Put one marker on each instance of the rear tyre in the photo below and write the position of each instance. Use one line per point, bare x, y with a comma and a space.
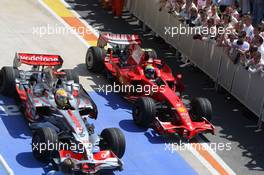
95, 59
71, 75
113, 139
201, 107
144, 111
46, 137
7, 81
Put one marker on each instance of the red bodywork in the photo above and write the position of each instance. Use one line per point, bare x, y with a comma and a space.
39, 59
133, 74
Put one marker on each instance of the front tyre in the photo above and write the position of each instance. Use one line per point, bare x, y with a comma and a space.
201, 107
95, 59
144, 111
113, 139
44, 138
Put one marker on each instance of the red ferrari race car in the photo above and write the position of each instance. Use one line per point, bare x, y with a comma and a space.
59, 110
149, 82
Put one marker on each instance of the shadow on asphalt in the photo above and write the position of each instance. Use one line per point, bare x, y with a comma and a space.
232, 125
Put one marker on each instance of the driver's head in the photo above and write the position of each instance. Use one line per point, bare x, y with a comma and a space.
149, 72
61, 98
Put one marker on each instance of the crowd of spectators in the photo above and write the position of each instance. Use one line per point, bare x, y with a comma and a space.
241, 20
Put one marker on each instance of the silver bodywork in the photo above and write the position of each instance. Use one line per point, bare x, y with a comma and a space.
40, 95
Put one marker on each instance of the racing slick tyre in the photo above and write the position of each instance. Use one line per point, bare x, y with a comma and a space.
95, 59
144, 111
7, 81
71, 75
113, 139
47, 137
201, 107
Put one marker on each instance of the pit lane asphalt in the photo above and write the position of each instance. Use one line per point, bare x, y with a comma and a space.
234, 124
17, 21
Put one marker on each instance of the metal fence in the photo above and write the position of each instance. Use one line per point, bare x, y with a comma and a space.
248, 88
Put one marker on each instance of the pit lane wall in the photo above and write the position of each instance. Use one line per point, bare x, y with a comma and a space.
247, 87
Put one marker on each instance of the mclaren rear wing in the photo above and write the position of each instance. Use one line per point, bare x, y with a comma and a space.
37, 60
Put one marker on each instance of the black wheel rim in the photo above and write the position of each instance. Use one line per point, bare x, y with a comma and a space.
89, 61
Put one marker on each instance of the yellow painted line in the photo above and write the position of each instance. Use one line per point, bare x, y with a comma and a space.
74, 22
58, 8
70, 18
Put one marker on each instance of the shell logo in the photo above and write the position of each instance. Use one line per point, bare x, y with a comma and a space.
181, 110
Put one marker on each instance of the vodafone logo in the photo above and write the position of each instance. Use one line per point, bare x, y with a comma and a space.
40, 58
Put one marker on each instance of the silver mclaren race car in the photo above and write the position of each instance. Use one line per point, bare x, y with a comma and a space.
59, 110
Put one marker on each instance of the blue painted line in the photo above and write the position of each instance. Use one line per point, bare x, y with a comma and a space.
145, 153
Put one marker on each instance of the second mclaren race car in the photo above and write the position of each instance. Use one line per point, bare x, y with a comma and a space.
149, 82
59, 110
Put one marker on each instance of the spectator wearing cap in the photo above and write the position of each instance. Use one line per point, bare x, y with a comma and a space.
258, 11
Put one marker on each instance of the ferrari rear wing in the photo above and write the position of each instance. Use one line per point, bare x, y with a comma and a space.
37, 59
120, 38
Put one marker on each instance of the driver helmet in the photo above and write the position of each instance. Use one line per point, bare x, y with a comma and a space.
61, 98
149, 71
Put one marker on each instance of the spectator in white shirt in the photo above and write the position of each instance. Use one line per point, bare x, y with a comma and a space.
213, 14
254, 65
259, 43
240, 43
248, 28
233, 14
201, 4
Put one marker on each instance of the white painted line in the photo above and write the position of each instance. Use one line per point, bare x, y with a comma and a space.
6, 167
203, 160
193, 151
216, 157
